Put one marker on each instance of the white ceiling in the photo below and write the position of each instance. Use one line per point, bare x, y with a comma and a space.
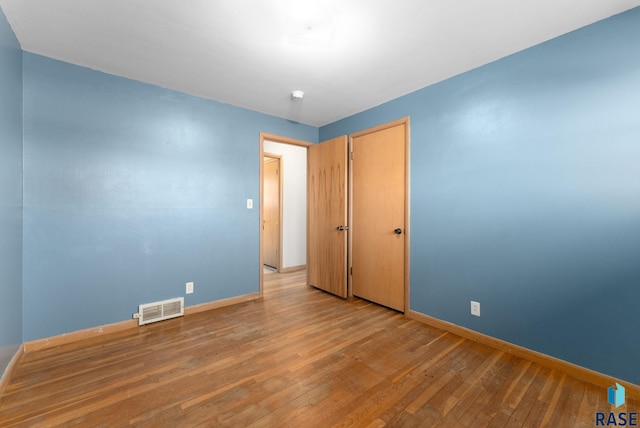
346, 55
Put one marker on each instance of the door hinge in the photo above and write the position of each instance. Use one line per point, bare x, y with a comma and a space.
351, 271
351, 154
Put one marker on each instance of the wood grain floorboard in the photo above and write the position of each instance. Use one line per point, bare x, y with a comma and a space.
297, 358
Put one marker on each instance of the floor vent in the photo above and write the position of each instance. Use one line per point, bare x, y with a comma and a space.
158, 311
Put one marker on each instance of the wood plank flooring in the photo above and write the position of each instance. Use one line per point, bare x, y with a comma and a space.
298, 358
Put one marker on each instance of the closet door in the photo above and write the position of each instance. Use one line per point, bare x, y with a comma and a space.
378, 215
327, 216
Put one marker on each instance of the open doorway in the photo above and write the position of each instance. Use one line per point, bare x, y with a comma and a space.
292, 228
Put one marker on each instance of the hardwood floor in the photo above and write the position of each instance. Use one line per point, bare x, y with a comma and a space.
298, 358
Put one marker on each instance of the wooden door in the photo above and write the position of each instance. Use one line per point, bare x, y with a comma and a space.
327, 216
378, 216
271, 215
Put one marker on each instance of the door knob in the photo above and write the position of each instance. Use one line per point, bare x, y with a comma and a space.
397, 231
341, 228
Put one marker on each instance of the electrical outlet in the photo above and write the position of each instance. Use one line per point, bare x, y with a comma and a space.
475, 308
189, 288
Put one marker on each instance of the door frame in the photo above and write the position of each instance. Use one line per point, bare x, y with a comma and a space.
277, 158
407, 198
282, 140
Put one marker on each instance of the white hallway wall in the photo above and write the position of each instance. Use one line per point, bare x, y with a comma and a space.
294, 201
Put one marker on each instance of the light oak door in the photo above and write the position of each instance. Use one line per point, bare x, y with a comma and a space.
271, 219
327, 216
378, 216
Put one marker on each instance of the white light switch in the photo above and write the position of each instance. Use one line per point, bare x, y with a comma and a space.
249, 204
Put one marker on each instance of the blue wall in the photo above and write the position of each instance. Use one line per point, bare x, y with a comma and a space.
10, 194
131, 190
525, 196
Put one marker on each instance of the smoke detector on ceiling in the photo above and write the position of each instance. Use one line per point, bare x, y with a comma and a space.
297, 95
